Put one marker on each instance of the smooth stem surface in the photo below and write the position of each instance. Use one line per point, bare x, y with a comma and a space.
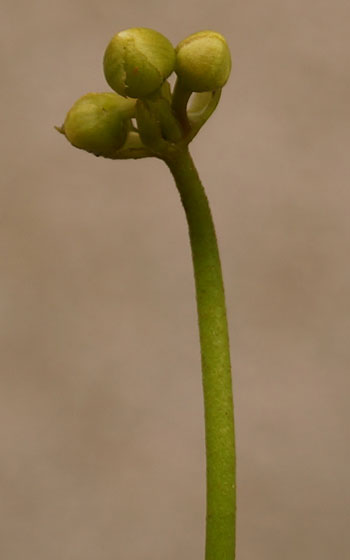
179, 105
217, 385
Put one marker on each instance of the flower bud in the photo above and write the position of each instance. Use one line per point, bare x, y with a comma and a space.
137, 61
203, 61
99, 122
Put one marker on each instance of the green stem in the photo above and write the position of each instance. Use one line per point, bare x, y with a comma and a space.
217, 385
179, 105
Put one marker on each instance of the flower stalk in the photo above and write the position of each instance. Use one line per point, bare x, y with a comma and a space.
215, 355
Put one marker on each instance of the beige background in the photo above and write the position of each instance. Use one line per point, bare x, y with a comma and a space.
101, 431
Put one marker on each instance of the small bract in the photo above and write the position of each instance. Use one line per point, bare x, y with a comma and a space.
203, 61
99, 122
137, 61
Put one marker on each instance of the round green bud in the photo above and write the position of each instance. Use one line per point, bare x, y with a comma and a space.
99, 122
137, 61
203, 61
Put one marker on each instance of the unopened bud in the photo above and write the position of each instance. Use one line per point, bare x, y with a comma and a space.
203, 61
99, 122
137, 61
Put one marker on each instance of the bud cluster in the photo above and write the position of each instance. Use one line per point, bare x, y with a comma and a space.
137, 63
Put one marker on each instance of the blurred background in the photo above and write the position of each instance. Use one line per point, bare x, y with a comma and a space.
101, 415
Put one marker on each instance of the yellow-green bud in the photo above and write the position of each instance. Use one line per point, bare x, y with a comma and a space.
137, 61
99, 122
203, 61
